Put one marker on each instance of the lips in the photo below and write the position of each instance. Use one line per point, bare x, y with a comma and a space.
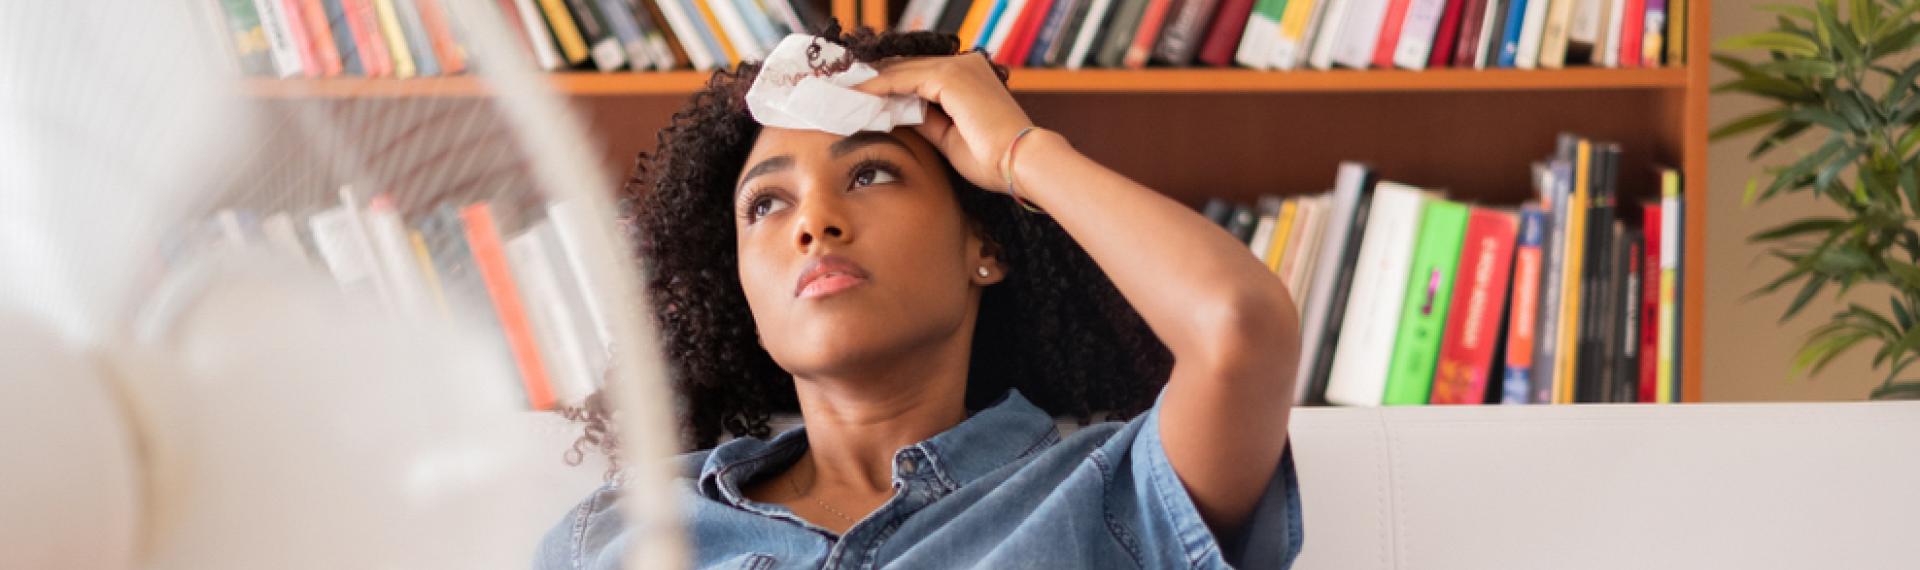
827, 275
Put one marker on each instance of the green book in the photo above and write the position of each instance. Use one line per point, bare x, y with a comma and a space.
1423, 318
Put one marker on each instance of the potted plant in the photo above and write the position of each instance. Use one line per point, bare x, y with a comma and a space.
1849, 78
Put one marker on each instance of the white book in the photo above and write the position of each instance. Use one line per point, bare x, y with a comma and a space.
1531, 25
735, 25
1360, 364
684, 29
1089, 29
626, 31
1489, 40
1553, 38
1609, 46
544, 52
1583, 25
1335, 18
1262, 240
1309, 249
1360, 33
919, 15
555, 324
1416, 34
1257, 38
286, 56
341, 247
1348, 187
398, 266
1004, 27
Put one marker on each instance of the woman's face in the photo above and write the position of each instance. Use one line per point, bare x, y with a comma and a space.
853, 250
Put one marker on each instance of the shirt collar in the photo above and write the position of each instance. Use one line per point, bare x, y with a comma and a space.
1006, 431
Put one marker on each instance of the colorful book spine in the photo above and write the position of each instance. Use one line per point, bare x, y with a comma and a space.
490, 257
396, 38
1446, 37
343, 42
1229, 26
1417, 34
249, 38
1473, 316
320, 34
286, 55
1091, 34
1282, 231
1388, 39
1649, 373
1423, 313
1345, 219
1144, 38
1631, 32
1670, 263
364, 20
1510, 35
446, 48
1257, 37
1567, 356
1546, 337
407, 12
573, 47
1297, 25
1653, 36
1523, 311
1532, 25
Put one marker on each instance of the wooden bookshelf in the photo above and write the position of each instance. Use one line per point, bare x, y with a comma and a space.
1199, 133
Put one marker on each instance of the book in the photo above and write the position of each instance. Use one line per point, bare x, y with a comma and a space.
952, 14
562, 337
701, 54
344, 44
1516, 385
1487, 52
1668, 352
1298, 24
1026, 32
364, 21
1516, 21
1388, 39
1240, 223
723, 41
404, 65
1557, 194
1649, 310
1653, 34
1417, 34
285, 54
983, 38
1262, 241
919, 15
1423, 313
1627, 332
320, 36
1223, 36
1531, 26
1473, 315
566, 33
624, 24
1304, 249
489, 256
1597, 291
1466, 45
248, 37
394, 259
1258, 34
1148, 34
1346, 218
1446, 37
1612, 27
294, 17
1093, 30
1328, 40
1056, 40
1004, 27
1631, 29
1553, 39
407, 14
1567, 357
977, 12
1378, 287
669, 49
1583, 30
733, 25
1360, 33
761, 26
1186, 28
442, 37
1282, 231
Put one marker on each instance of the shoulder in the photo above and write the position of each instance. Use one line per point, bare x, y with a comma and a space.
591, 533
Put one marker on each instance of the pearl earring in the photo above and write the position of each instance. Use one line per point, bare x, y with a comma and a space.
982, 271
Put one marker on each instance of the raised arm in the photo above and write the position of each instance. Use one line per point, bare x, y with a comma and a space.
1230, 323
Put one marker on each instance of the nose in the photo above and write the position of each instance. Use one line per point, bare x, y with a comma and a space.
821, 220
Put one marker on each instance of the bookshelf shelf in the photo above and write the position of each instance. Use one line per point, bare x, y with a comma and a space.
1047, 81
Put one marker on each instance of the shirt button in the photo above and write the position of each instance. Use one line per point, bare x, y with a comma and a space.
908, 467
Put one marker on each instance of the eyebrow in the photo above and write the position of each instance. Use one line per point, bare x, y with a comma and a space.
838, 149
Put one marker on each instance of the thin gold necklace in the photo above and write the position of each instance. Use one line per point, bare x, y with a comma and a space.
795, 483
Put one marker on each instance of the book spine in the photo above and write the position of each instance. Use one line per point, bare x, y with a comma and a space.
1546, 336
1092, 31
626, 28
760, 24
320, 33
1467, 44
1240, 223
562, 350
249, 37
1534, 22
1262, 241
1185, 29
1627, 333
404, 65
1631, 30
1327, 42
1473, 314
1282, 231
734, 25
1306, 246
1517, 383
1000, 12
1360, 33
1595, 299
1388, 40
1359, 373
1004, 26
1229, 26
1613, 27
1417, 34
1423, 314
1297, 21
1447, 36
1510, 36
1062, 42
1648, 375
1553, 39
286, 56
723, 40
1026, 31
665, 44
418, 43
573, 47
446, 46
688, 33
1338, 296
1350, 183
977, 15
364, 21
1298, 236
1049, 32
1667, 380
489, 256
1144, 38
1653, 36
1567, 356
1259, 33
295, 21
1487, 52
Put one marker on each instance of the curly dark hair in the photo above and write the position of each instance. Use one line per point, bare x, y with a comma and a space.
1055, 328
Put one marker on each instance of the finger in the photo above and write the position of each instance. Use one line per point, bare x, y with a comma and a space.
936, 128
906, 77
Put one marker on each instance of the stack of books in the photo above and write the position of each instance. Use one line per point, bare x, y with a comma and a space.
1408, 297
528, 287
1321, 34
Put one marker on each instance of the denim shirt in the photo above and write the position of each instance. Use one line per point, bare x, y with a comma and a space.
1000, 490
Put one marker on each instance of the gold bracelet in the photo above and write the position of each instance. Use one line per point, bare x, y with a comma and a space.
1006, 170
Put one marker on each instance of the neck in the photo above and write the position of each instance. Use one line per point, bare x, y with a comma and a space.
855, 423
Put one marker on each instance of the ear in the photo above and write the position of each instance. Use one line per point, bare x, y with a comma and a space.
983, 260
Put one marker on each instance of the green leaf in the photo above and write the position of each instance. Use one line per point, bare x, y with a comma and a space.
1910, 182
1806, 68
1861, 17
1882, 327
1813, 287
1900, 314
1844, 260
1809, 225
1889, 22
1902, 84
1822, 117
1780, 135
1773, 41
1898, 41
1906, 274
1738, 65
1827, 342
1769, 87
1907, 390
1747, 123
1832, 34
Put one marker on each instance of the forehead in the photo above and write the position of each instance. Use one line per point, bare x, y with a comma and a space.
810, 145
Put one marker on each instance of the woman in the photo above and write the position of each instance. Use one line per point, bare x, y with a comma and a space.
928, 329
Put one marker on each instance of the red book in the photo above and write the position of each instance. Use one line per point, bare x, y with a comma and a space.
1390, 34
483, 237
1473, 316
1632, 31
1148, 33
365, 25
322, 34
446, 51
297, 32
1650, 305
1467, 42
1025, 29
1224, 37
1443, 38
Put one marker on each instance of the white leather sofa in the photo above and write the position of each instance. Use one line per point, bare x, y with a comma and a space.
1759, 486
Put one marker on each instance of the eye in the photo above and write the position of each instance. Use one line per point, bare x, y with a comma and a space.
870, 173
760, 205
